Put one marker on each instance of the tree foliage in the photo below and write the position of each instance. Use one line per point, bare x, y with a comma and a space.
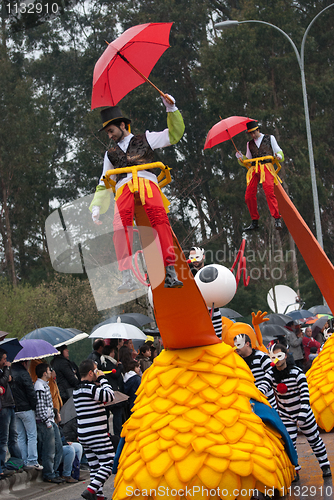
51, 153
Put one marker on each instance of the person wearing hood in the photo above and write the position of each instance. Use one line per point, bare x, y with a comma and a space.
132, 381
112, 370
67, 373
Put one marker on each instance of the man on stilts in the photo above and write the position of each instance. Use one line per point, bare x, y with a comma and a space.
130, 150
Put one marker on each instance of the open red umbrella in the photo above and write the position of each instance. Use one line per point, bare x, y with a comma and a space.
128, 61
225, 130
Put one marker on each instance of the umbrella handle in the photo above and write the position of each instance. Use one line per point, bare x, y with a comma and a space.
232, 141
165, 96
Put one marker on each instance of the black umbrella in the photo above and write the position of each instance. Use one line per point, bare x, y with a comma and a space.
300, 314
135, 319
272, 330
12, 348
320, 310
320, 323
229, 313
56, 336
277, 319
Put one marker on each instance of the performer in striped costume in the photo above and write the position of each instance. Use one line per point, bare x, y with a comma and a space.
89, 398
293, 402
258, 362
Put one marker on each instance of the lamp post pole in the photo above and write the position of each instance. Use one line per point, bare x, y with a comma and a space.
300, 59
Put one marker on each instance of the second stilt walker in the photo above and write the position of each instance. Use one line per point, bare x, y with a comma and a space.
261, 145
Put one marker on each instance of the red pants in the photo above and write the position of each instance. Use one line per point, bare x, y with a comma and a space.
127, 207
268, 187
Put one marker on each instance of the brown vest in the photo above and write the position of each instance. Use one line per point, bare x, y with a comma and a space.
139, 152
265, 148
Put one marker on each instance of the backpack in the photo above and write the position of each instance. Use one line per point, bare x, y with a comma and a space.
14, 464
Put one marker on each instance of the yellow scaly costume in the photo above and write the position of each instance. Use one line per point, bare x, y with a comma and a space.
320, 379
192, 425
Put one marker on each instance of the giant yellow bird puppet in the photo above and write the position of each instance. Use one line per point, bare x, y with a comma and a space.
193, 433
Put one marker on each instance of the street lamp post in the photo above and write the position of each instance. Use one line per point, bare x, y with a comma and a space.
300, 59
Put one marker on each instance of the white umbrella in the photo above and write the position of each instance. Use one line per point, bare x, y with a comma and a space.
118, 330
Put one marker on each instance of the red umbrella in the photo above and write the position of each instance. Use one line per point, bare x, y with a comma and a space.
128, 61
225, 130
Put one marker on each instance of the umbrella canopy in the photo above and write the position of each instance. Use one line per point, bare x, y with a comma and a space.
320, 323
300, 314
272, 330
320, 310
135, 319
12, 348
229, 313
128, 61
225, 130
278, 319
118, 330
68, 411
3, 335
56, 336
35, 349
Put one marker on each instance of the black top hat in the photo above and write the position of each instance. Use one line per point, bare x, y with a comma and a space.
251, 126
112, 114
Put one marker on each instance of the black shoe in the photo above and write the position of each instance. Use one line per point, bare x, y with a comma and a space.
278, 224
129, 284
296, 477
88, 495
171, 280
254, 225
56, 480
84, 467
8, 472
326, 471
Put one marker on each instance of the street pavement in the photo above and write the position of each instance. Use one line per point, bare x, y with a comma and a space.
311, 485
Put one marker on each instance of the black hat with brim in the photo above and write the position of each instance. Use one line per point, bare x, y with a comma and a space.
251, 126
112, 114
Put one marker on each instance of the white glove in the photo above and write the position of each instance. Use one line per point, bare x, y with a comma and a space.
96, 215
238, 154
278, 156
170, 108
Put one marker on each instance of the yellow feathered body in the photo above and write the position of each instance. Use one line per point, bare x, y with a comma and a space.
193, 430
320, 378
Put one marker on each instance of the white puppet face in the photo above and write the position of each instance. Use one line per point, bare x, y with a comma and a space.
327, 334
239, 341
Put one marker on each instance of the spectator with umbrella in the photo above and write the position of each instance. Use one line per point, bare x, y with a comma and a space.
308, 342
67, 373
49, 441
98, 346
25, 405
113, 373
295, 340
8, 432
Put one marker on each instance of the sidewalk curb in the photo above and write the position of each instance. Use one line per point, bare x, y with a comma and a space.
20, 480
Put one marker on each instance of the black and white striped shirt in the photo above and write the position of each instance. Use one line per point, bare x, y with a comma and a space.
259, 364
217, 321
89, 400
295, 402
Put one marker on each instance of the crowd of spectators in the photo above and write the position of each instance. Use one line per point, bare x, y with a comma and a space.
32, 394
